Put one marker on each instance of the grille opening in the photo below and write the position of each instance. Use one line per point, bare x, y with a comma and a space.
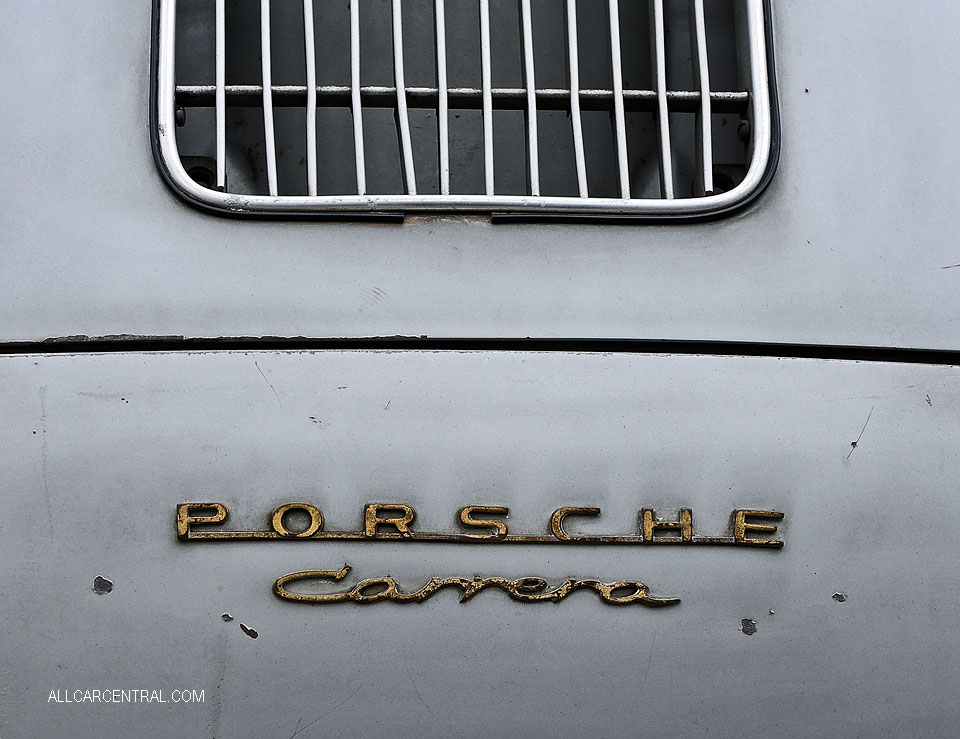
654, 150
642, 143
466, 156
383, 158
510, 153
202, 170
334, 124
683, 126
558, 173
719, 18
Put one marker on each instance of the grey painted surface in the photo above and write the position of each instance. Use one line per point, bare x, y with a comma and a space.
98, 450
849, 245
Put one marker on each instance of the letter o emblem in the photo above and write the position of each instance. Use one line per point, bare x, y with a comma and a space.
316, 520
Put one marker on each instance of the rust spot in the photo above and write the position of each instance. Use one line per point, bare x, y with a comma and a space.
748, 626
101, 585
252, 633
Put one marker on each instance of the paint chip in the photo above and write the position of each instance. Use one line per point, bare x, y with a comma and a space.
226, 617
839, 597
101, 585
748, 626
252, 633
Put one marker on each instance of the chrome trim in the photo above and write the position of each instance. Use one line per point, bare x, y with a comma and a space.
530, 83
356, 104
443, 122
221, 104
266, 67
701, 76
619, 116
310, 54
761, 133
576, 118
403, 120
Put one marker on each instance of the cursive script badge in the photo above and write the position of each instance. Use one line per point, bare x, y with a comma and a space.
524, 589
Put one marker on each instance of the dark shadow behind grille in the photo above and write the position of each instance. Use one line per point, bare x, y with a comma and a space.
245, 149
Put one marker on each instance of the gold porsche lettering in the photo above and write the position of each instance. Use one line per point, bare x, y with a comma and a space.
741, 527
373, 518
278, 524
189, 514
394, 522
556, 520
468, 517
651, 525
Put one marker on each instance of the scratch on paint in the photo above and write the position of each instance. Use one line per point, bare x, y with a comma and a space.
417, 691
327, 713
268, 382
853, 444
43, 456
646, 674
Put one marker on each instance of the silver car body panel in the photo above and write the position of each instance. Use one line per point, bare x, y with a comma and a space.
852, 243
100, 449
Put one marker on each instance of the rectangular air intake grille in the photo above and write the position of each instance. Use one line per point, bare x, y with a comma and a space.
637, 107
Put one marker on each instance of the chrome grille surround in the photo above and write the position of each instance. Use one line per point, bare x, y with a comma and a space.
755, 104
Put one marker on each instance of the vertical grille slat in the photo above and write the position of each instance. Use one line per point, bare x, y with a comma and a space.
443, 121
703, 184
486, 85
576, 118
530, 83
267, 77
310, 51
221, 102
659, 62
403, 119
355, 103
632, 76
620, 121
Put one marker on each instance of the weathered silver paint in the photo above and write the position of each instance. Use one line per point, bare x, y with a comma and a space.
853, 243
848, 245
98, 450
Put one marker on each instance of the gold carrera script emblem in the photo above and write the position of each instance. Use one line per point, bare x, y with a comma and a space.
524, 589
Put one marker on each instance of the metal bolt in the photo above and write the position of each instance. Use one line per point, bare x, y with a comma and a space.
743, 131
181, 115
